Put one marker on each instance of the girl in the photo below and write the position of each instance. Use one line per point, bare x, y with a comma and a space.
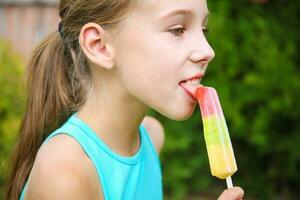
85, 134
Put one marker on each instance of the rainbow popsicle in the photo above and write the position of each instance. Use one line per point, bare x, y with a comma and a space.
220, 153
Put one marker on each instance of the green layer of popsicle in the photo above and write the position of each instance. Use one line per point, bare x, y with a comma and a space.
215, 130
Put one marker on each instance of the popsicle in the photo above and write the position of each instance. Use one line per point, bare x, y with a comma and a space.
220, 152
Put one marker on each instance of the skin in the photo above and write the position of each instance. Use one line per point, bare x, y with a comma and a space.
137, 69
140, 77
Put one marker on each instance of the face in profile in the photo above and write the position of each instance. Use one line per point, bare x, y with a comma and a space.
161, 45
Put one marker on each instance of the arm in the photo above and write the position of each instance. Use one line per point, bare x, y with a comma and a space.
61, 185
62, 172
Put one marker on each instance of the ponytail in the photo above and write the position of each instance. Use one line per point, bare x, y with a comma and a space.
52, 82
59, 78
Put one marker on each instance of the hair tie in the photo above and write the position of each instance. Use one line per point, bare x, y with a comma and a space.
60, 30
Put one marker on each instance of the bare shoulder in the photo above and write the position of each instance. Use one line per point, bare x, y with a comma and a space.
156, 132
62, 171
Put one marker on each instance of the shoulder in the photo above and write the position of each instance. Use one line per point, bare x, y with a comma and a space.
156, 132
62, 171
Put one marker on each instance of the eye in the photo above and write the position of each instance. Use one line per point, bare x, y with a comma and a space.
205, 30
177, 31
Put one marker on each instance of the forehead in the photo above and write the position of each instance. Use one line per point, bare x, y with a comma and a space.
162, 9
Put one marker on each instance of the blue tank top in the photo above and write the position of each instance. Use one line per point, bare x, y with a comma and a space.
137, 177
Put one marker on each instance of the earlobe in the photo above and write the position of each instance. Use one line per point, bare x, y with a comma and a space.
97, 48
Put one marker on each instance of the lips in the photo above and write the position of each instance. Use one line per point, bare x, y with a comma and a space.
190, 85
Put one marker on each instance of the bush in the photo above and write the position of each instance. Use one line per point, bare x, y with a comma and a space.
256, 74
11, 105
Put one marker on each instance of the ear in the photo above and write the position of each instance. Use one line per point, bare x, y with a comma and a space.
94, 42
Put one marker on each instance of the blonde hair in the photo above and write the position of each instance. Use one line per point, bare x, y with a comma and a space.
57, 77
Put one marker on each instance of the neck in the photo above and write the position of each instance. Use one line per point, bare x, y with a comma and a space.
115, 116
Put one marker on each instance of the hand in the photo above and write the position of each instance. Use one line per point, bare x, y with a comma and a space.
235, 193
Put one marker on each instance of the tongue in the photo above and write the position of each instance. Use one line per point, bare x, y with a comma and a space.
190, 88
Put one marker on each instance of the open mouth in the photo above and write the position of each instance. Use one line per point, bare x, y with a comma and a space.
194, 81
190, 86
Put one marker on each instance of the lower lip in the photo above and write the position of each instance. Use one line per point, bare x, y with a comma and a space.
189, 95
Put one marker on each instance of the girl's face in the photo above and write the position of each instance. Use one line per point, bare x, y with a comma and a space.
161, 45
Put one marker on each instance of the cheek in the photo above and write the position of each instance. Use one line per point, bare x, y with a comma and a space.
148, 58
150, 70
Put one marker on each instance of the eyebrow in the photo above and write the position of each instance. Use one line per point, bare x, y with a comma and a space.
181, 12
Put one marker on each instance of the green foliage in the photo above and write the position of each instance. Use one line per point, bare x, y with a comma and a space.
11, 105
256, 74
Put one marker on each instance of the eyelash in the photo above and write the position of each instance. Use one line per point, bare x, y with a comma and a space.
175, 30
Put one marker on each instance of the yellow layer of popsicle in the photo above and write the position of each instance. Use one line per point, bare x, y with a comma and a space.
220, 153
221, 160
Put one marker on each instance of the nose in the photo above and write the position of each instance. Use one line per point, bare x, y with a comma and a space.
202, 53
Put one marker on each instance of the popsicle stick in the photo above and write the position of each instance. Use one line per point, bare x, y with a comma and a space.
229, 182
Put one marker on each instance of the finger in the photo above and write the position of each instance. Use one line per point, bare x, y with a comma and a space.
235, 193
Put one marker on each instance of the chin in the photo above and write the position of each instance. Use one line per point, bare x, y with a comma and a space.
180, 114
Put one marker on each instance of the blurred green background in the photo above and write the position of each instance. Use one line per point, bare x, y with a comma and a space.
256, 73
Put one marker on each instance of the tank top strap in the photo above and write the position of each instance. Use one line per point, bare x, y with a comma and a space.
73, 130
85, 143
89, 132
